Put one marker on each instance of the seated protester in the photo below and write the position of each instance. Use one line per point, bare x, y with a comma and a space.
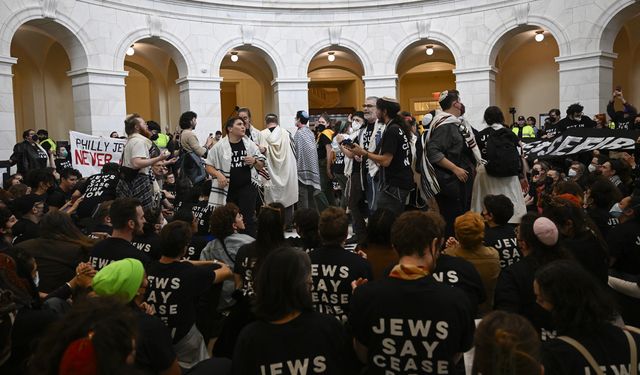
506, 343
270, 236
149, 240
200, 239
600, 199
469, 230
174, 287
396, 176
7, 221
305, 221
61, 194
19, 190
538, 243
126, 281
584, 315
579, 236
575, 120
333, 268
618, 172
498, 233
377, 246
100, 225
58, 250
30, 210
578, 173
41, 181
127, 219
201, 209
396, 314
63, 158
99, 188
96, 337
623, 241
226, 222
284, 308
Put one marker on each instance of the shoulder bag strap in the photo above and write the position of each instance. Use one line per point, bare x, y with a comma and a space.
585, 353
224, 247
633, 349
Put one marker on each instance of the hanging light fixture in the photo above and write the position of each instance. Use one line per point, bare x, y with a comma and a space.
429, 50
234, 56
539, 36
331, 57
130, 51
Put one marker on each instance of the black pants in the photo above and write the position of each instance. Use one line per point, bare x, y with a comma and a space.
245, 198
454, 201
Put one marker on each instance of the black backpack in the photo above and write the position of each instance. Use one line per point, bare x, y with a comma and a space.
503, 159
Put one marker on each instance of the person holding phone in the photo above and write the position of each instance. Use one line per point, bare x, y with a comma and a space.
622, 120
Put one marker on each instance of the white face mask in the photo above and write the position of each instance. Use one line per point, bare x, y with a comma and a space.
572, 173
592, 168
355, 126
616, 211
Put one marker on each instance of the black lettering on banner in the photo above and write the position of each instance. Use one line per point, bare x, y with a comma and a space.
581, 140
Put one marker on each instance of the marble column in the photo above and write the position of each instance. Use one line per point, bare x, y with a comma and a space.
7, 109
587, 79
477, 88
291, 95
99, 102
380, 86
202, 96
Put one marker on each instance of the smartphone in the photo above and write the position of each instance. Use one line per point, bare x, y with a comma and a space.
347, 142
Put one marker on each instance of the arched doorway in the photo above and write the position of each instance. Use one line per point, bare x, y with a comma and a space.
247, 73
42, 90
527, 78
150, 87
336, 85
425, 68
626, 68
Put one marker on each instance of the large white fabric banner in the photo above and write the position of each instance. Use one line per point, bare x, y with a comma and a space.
90, 153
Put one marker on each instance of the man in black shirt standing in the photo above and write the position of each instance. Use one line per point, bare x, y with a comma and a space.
127, 219
333, 268
575, 120
395, 176
397, 330
551, 124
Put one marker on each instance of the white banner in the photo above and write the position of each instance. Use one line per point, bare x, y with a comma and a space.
90, 153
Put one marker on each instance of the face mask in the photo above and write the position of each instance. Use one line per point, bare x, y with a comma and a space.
462, 109
34, 138
36, 279
572, 173
153, 137
355, 126
616, 211
592, 168
64, 153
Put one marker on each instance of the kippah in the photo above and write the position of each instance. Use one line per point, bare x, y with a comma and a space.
546, 231
391, 100
443, 95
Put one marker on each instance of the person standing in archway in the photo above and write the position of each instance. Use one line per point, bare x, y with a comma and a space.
28, 155
309, 193
252, 133
324, 138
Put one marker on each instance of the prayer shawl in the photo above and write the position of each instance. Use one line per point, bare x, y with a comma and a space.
308, 167
219, 157
464, 128
376, 137
283, 185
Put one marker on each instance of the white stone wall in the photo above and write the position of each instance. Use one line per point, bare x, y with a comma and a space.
97, 34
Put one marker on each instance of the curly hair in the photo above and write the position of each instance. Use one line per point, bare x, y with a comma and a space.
222, 219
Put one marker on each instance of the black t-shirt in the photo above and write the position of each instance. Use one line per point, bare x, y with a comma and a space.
503, 238
173, 292
551, 130
366, 140
333, 269
323, 141
63, 163
198, 242
98, 188
602, 219
240, 174
307, 244
25, 229
338, 163
569, 123
312, 343
590, 253
460, 273
608, 346
112, 249
58, 197
244, 267
514, 293
154, 351
411, 326
398, 173
150, 244
202, 213
624, 246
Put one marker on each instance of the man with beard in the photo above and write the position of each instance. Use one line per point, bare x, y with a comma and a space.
251, 132
137, 162
127, 219
575, 120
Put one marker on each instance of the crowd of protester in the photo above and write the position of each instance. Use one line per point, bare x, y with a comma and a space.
240, 255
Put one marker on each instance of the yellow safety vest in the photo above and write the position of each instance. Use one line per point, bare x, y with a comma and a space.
50, 142
162, 141
528, 132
